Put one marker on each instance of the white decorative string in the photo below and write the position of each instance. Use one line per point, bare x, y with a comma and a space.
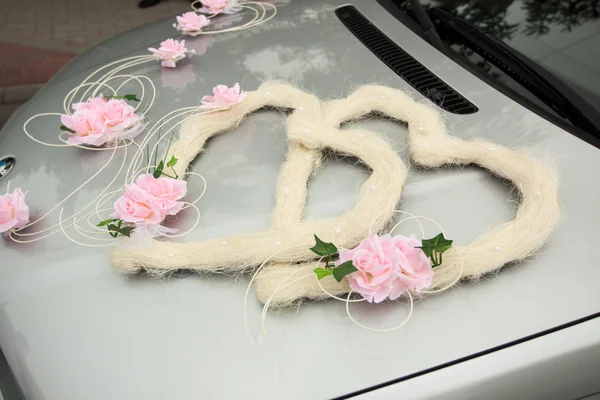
82, 209
260, 16
380, 330
75, 241
126, 63
281, 285
203, 190
250, 284
72, 193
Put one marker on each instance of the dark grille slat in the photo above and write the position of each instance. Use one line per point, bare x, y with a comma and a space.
403, 64
423, 81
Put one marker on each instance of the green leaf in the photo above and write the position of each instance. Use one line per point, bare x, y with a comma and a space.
113, 230
65, 128
342, 270
131, 97
322, 272
435, 247
106, 222
159, 169
322, 248
126, 230
169, 146
172, 162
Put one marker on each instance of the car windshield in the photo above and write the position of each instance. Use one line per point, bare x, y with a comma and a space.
563, 36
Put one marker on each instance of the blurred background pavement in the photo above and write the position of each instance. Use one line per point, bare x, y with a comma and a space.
38, 38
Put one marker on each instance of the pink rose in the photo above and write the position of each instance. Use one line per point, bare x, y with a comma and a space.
146, 203
170, 51
387, 267
219, 6
190, 23
138, 207
88, 126
90, 104
165, 190
118, 116
416, 271
14, 213
99, 120
224, 97
377, 271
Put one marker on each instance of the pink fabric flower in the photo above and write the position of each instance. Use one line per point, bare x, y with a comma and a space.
146, 203
170, 51
219, 6
91, 104
165, 190
138, 207
99, 120
377, 270
118, 116
387, 267
14, 213
416, 271
88, 126
224, 97
190, 23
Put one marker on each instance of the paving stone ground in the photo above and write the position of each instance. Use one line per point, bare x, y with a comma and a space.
74, 25
38, 37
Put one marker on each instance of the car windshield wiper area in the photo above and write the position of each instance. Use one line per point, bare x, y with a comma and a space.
427, 26
542, 84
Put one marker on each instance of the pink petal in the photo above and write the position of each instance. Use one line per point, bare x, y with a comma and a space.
381, 294
398, 287
5, 227
168, 64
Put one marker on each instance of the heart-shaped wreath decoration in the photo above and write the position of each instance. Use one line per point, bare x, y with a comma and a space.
314, 126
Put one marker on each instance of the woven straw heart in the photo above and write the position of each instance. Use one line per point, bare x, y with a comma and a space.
313, 127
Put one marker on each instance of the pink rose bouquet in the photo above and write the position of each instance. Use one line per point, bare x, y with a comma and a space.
384, 267
146, 203
102, 119
387, 267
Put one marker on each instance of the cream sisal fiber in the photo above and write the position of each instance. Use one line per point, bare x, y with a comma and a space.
314, 126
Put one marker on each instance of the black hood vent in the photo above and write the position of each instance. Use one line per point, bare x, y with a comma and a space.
403, 64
